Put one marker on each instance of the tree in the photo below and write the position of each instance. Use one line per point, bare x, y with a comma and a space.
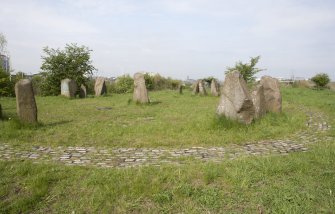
3, 43
247, 70
321, 80
6, 86
73, 62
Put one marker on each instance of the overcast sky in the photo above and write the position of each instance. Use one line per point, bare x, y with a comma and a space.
176, 38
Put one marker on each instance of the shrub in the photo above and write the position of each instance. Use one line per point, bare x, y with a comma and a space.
6, 85
123, 84
321, 80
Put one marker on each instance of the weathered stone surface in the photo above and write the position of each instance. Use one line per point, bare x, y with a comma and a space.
258, 99
195, 88
68, 88
180, 88
202, 89
236, 102
82, 91
199, 88
273, 99
25, 101
100, 86
215, 91
140, 91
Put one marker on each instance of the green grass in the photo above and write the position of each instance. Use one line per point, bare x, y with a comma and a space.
172, 120
296, 183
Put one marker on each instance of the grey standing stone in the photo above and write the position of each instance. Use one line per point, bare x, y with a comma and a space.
82, 91
215, 91
68, 88
202, 89
180, 89
195, 87
140, 91
100, 86
236, 102
25, 101
273, 99
258, 99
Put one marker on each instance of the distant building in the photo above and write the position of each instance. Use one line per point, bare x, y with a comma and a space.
4, 61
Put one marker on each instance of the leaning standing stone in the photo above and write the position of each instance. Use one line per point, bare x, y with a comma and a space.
140, 91
195, 88
100, 86
258, 99
25, 101
68, 88
214, 88
82, 91
236, 102
273, 100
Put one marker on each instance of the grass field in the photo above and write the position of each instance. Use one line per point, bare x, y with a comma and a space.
296, 183
172, 120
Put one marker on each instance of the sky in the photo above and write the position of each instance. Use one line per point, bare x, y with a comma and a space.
176, 38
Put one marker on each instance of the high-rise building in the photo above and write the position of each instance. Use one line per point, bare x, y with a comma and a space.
4, 62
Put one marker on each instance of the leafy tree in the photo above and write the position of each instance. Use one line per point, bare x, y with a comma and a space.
247, 70
321, 80
6, 86
73, 62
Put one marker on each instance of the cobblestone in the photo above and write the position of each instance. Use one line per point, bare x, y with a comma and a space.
132, 157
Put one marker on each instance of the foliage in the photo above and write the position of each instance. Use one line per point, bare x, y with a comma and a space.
37, 81
149, 81
247, 70
123, 84
321, 80
73, 62
6, 85
3, 43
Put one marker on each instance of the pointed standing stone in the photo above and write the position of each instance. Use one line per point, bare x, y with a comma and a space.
25, 101
259, 101
100, 86
82, 91
273, 99
202, 89
68, 88
196, 87
215, 88
236, 102
140, 91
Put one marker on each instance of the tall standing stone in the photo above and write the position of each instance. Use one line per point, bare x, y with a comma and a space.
140, 91
273, 99
236, 102
180, 88
68, 88
100, 86
82, 91
202, 89
258, 99
215, 88
196, 88
25, 101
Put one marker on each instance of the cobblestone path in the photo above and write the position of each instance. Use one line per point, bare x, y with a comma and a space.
128, 157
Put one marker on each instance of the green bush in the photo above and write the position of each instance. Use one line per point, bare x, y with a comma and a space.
321, 80
123, 84
6, 85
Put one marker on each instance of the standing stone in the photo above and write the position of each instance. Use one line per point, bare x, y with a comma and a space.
196, 88
100, 86
258, 99
202, 89
140, 91
82, 91
273, 100
25, 101
236, 102
68, 88
180, 88
215, 88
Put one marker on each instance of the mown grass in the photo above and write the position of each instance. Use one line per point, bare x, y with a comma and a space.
172, 120
296, 183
